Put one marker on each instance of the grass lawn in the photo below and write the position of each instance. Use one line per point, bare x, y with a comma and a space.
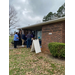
10, 39
24, 62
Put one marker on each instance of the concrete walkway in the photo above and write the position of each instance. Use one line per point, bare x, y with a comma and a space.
12, 47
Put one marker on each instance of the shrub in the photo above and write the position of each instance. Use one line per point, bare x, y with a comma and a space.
57, 49
12, 42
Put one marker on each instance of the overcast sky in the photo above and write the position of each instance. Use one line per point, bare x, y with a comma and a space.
32, 11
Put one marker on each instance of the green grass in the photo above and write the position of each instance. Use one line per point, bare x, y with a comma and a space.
51, 72
40, 57
24, 62
53, 65
10, 39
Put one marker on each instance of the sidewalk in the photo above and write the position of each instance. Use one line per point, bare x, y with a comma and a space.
12, 47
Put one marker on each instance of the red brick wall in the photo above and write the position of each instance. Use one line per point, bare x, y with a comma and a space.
63, 33
58, 34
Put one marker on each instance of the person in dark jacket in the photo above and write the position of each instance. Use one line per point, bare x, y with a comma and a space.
20, 41
28, 39
31, 38
32, 35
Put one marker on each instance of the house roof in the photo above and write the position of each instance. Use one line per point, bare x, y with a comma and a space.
39, 25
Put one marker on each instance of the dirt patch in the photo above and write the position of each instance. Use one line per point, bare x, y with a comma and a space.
18, 53
50, 57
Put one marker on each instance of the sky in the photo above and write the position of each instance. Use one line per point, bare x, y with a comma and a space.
30, 12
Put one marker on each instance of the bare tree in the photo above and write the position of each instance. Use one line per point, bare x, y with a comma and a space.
13, 19
11, 34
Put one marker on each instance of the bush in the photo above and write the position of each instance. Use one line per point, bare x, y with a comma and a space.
57, 49
12, 42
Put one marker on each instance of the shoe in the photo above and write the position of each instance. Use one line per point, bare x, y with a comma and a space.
15, 48
22, 45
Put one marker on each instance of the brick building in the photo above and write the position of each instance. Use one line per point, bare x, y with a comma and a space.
50, 31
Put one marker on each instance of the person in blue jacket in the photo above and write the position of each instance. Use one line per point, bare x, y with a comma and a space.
16, 39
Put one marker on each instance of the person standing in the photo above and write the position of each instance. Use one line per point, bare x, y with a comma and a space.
16, 39
32, 35
20, 42
28, 39
31, 38
23, 38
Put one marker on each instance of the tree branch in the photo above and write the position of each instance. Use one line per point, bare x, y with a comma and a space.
12, 16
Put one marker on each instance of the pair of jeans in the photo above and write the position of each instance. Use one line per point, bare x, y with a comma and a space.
28, 42
15, 44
